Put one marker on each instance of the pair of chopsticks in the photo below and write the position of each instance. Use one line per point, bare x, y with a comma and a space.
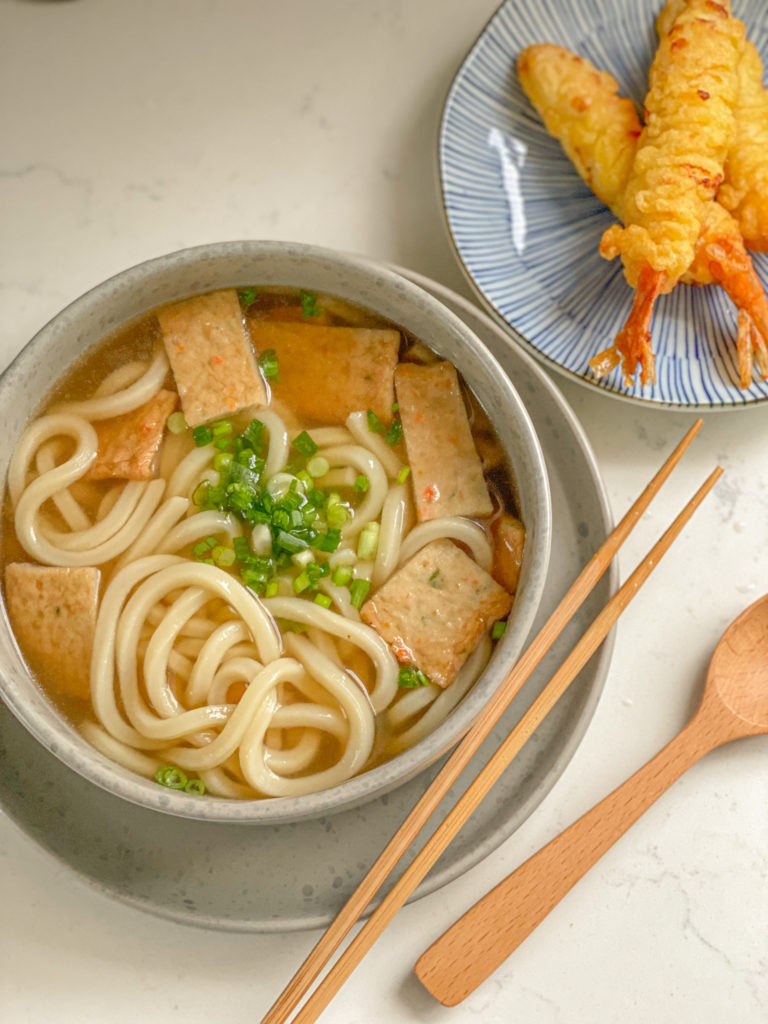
309, 971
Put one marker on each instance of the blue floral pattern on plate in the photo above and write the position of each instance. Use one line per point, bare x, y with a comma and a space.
526, 228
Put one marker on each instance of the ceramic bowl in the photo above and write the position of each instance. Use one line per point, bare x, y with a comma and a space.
25, 384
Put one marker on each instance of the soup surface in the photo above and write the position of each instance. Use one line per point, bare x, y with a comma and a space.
259, 541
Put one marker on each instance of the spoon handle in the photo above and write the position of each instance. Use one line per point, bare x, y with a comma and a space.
471, 949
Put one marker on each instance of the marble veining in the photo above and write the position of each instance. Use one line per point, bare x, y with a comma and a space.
132, 130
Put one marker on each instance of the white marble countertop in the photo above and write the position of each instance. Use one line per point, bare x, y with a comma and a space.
132, 129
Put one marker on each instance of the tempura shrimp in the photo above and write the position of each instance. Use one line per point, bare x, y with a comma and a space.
599, 130
678, 166
745, 189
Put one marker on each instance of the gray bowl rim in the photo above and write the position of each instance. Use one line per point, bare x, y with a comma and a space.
63, 741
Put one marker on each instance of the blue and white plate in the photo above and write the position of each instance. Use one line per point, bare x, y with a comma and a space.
526, 228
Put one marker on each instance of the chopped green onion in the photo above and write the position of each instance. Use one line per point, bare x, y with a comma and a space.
358, 592
203, 547
221, 428
221, 460
223, 556
302, 582
403, 475
269, 363
288, 626
309, 306
304, 444
242, 548
195, 786
329, 540
342, 574
368, 541
395, 407
202, 436
374, 423
171, 777
176, 423
436, 580
254, 434
499, 629
337, 514
361, 484
394, 433
247, 298
290, 542
323, 600
273, 587
411, 678
318, 466
305, 478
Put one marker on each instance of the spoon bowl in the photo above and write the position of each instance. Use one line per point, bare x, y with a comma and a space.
738, 671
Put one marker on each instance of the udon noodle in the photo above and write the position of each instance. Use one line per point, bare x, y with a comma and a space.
236, 645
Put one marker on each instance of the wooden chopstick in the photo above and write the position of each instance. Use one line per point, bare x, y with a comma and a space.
500, 760
408, 831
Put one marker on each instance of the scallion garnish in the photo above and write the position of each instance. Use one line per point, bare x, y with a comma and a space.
202, 436
302, 582
247, 298
329, 540
317, 466
171, 777
221, 460
204, 548
195, 786
176, 423
224, 557
368, 542
323, 600
394, 433
499, 629
374, 423
290, 542
361, 484
269, 363
253, 435
342, 574
403, 475
309, 306
358, 592
411, 678
335, 512
289, 626
304, 444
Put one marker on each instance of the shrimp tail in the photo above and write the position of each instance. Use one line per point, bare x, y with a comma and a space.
731, 267
750, 347
632, 346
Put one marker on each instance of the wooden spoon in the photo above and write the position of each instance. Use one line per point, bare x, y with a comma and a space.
734, 704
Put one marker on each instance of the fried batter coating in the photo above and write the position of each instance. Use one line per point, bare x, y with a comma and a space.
679, 162
581, 108
745, 190
599, 131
